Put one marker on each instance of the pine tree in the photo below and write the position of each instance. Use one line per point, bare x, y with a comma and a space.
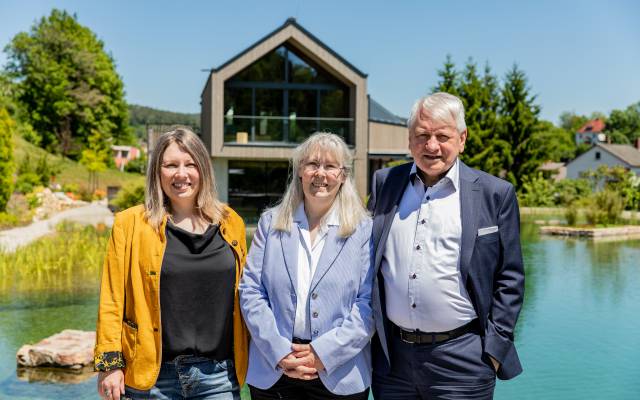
518, 122
449, 79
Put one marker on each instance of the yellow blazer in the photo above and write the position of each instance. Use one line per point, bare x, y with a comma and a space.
129, 332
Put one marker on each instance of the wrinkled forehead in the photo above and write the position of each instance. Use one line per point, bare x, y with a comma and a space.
435, 118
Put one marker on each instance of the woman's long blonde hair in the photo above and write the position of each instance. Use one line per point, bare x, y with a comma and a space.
347, 203
156, 202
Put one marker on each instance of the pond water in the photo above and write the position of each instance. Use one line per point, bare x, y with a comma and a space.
578, 335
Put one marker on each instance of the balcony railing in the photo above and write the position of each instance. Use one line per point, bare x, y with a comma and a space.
278, 130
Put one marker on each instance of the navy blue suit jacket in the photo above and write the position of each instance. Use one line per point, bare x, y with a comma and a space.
491, 265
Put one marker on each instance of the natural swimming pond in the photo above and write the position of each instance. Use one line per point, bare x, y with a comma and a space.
578, 335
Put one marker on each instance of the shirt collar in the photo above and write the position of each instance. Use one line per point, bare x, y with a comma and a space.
453, 175
331, 219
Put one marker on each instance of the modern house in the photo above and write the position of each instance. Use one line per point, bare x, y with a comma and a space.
609, 154
263, 102
591, 132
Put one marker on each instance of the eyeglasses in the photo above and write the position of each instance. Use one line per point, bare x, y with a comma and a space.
330, 169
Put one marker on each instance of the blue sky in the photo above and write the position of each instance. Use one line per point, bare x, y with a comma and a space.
580, 56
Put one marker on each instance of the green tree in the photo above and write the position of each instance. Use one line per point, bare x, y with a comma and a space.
550, 143
449, 78
480, 98
624, 123
518, 122
67, 84
7, 126
572, 122
95, 157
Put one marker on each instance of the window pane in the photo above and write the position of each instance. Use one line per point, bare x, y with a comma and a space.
255, 185
237, 102
334, 103
268, 121
269, 68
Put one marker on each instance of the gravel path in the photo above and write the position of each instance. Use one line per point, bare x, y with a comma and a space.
93, 213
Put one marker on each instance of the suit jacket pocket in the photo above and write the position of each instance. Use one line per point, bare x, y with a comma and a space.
129, 339
489, 237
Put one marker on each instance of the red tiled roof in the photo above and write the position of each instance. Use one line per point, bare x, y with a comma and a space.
593, 126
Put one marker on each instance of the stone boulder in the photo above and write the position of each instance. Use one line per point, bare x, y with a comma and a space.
68, 349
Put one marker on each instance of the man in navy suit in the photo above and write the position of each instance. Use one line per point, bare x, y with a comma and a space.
449, 272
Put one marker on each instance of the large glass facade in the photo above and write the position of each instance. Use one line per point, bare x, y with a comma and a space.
256, 185
283, 98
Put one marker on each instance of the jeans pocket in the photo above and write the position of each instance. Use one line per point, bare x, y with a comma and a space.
135, 394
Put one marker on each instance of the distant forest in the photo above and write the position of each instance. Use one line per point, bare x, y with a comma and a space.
141, 116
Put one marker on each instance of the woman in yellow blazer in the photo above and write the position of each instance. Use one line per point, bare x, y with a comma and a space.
180, 256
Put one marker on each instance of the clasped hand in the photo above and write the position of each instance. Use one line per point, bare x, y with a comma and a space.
301, 363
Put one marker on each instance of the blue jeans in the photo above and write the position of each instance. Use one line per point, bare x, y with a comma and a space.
192, 377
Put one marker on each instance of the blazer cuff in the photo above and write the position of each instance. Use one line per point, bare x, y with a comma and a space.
504, 351
109, 360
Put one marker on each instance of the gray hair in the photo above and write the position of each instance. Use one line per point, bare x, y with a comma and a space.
439, 106
347, 203
156, 202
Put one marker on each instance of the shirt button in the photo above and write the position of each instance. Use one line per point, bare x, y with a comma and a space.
315, 332
423, 221
414, 276
314, 295
418, 247
315, 314
428, 198
413, 305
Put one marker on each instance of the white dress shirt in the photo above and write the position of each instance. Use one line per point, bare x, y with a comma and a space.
308, 257
421, 258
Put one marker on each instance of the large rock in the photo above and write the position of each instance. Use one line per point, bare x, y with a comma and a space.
69, 348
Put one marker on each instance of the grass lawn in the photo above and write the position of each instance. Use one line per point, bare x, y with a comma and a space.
71, 171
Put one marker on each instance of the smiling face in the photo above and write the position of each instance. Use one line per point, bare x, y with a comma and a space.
321, 176
179, 177
435, 145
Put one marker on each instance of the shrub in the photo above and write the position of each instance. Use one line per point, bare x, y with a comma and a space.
8, 220
571, 214
7, 126
129, 196
604, 208
567, 191
138, 165
27, 182
536, 192
71, 188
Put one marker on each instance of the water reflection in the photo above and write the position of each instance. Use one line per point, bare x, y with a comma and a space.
55, 375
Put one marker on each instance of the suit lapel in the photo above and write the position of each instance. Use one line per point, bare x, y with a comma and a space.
392, 190
332, 246
470, 197
290, 242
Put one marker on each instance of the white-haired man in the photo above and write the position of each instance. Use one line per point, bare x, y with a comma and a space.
449, 271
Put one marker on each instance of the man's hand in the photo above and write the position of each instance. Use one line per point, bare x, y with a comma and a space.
299, 365
308, 349
496, 364
111, 384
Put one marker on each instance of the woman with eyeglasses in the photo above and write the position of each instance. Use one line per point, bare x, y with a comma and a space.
306, 289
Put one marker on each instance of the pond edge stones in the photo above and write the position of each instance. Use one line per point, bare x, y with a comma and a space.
68, 349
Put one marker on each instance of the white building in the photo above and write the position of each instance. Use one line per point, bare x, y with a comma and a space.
608, 154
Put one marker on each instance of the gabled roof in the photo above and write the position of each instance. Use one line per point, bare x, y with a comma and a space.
292, 22
624, 152
377, 113
594, 126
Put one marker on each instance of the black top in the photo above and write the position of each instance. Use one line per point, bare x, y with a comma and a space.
196, 294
